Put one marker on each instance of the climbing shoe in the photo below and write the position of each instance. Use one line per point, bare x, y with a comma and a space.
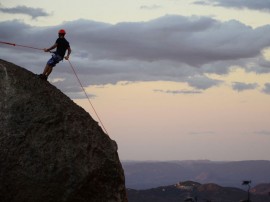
43, 77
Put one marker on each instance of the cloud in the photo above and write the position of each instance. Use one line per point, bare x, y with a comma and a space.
33, 12
205, 2
151, 7
260, 65
10, 29
266, 88
202, 82
194, 41
202, 133
170, 48
73, 90
262, 132
178, 91
238, 86
261, 5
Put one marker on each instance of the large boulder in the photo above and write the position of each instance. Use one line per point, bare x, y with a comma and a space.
51, 150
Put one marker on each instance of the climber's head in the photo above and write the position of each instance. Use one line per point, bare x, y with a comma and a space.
61, 32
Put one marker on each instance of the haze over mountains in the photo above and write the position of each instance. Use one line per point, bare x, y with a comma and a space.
204, 180
145, 175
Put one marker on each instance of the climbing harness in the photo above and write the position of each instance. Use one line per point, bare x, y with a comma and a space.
73, 69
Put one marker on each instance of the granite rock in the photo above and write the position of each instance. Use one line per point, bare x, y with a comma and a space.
51, 150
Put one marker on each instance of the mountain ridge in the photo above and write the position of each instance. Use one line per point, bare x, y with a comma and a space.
190, 190
149, 174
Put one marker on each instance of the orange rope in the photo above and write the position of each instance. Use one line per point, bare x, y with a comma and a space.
13, 44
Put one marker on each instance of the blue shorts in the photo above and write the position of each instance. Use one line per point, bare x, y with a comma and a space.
54, 60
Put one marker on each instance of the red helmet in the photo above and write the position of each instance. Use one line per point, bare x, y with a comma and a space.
61, 31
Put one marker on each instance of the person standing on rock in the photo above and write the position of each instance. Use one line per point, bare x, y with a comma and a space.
61, 45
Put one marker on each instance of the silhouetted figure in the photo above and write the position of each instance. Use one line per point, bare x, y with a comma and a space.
61, 45
246, 182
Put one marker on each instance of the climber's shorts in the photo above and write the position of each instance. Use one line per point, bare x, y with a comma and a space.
54, 60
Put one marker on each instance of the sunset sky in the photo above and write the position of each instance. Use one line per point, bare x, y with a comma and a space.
170, 79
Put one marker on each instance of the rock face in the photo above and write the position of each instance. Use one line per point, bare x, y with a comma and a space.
51, 150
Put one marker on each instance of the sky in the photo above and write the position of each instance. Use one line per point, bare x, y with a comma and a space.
170, 79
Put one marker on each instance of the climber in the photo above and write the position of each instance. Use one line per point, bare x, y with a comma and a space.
61, 45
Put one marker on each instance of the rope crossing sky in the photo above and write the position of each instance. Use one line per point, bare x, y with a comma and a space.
13, 44
87, 97
73, 69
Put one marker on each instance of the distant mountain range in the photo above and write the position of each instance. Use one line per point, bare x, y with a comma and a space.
145, 175
193, 191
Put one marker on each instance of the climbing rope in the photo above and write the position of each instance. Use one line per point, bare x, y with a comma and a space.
13, 44
87, 96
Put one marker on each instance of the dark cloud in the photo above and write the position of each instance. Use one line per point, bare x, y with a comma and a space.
33, 12
202, 82
194, 41
266, 88
178, 91
11, 29
170, 48
262, 5
238, 86
260, 66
